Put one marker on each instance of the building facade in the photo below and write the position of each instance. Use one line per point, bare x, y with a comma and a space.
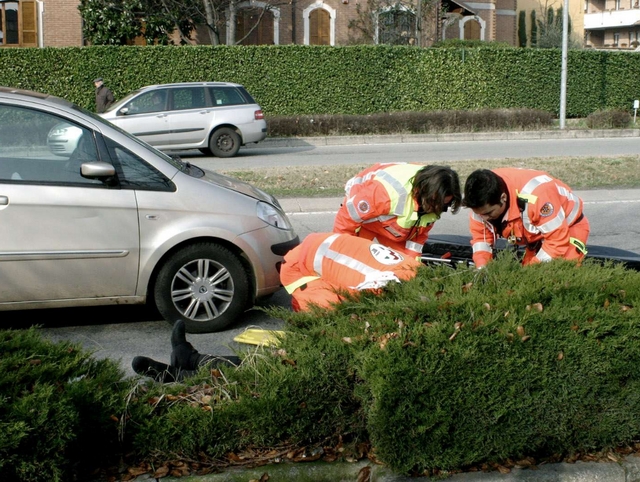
57, 23
612, 24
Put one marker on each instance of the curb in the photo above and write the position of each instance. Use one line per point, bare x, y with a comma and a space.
625, 470
273, 142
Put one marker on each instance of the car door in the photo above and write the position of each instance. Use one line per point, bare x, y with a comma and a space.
189, 117
64, 236
145, 116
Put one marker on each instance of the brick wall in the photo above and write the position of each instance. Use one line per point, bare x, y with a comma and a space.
62, 23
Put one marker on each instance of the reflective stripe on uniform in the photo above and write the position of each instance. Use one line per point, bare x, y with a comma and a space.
530, 186
481, 247
397, 192
353, 212
543, 256
526, 222
580, 246
291, 287
413, 246
325, 251
552, 224
321, 252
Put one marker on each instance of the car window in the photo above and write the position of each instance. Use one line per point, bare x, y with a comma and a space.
147, 102
38, 147
226, 96
134, 172
188, 98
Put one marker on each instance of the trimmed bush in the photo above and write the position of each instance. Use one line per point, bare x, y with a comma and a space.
409, 122
59, 409
452, 369
609, 119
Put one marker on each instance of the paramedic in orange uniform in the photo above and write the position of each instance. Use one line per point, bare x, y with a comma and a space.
396, 204
528, 208
325, 265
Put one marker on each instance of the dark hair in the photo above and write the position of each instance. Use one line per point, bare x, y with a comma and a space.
483, 187
432, 184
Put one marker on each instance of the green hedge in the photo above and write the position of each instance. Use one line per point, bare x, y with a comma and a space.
294, 79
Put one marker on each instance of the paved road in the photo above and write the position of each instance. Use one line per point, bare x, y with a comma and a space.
428, 152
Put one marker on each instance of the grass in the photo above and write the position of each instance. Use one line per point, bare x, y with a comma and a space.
329, 181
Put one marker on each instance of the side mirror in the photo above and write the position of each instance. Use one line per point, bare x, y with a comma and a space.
123, 111
97, 170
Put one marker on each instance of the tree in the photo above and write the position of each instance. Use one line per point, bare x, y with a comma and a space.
522, 28
108, 22
551, 30
394, 22
111, 22
534, 29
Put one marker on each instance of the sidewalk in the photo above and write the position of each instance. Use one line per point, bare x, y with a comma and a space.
270, 142
331, 204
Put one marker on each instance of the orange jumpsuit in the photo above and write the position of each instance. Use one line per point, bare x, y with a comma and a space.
326, 264
542, 214
379, 206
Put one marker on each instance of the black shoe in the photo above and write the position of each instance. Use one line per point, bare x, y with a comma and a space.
148, 367
183, 355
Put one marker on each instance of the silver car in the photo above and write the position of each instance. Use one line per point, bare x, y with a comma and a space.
114, 221
215, 117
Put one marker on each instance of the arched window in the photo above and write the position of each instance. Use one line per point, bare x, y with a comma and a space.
18, 24
472, 27
319, 24
472, 30
396, 26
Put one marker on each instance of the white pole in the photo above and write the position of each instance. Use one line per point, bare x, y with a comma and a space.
563, 75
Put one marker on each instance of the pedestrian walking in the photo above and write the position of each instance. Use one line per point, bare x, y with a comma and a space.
104, 96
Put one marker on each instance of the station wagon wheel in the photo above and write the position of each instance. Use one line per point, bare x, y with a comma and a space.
224, 142
203, 284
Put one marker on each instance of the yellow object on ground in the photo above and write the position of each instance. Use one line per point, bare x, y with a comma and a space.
257, 336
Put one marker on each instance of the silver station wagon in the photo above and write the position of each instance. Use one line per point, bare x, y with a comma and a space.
91, 215
214, 117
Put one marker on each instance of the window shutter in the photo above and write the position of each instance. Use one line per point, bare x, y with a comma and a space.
319, 27
29, 14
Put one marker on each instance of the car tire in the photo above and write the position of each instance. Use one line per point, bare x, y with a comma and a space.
205, 285
225, 142
206, 151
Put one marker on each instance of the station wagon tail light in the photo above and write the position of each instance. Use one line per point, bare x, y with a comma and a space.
258, 115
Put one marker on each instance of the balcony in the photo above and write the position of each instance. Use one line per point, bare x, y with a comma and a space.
611, 19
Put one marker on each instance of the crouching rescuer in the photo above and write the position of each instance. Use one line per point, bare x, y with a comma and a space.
528, 208
326, 265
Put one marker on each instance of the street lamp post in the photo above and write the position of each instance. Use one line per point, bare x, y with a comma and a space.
563, 75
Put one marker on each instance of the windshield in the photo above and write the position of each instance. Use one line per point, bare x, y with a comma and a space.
121, 102
175, 161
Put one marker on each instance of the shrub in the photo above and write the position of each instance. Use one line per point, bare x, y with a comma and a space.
56, 409
451, 369
609, 119
408, 122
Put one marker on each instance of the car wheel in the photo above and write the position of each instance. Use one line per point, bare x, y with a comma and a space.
206, 151
224, 142
205, 285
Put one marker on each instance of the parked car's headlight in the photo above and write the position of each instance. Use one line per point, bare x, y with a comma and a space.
270, 215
